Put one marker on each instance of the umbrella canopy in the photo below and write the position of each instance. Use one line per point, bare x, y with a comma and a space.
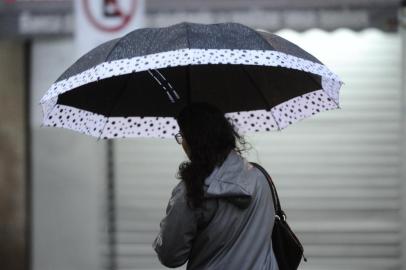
134, 86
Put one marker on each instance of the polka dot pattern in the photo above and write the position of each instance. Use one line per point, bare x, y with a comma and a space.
253, 121
155, 127
302, 107
111, 127
185, 57
282, 115
79, 120
103, 127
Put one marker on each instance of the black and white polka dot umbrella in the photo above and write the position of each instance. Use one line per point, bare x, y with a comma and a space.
135, 86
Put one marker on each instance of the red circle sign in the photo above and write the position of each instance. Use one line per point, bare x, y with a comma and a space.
124, 18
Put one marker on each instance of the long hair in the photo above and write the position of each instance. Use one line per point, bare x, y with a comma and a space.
210, 138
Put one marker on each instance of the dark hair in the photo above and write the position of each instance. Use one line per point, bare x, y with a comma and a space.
210, 137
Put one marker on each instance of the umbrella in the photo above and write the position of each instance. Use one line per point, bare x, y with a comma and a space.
135, 86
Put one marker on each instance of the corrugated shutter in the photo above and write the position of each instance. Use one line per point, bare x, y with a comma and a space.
338, 174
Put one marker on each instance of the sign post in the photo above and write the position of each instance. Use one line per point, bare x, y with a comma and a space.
402, 31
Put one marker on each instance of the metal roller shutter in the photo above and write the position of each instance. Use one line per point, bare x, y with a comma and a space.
338, 174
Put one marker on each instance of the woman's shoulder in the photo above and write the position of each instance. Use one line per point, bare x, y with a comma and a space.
179, 189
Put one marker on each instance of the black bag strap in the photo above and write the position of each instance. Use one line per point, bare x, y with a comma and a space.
278, 209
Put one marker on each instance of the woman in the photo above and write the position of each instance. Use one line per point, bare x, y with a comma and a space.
221, 214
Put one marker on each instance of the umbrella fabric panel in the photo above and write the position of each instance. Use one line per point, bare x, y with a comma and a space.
90, 59
282, 45
147, 41
232, 36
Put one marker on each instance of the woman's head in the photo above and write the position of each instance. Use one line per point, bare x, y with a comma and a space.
207, 138
205, 131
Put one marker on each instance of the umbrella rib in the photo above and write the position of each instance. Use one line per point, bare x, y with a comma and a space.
160, 84
125, 85
188, 73
115, 45
261, 94
168, 83
53, 108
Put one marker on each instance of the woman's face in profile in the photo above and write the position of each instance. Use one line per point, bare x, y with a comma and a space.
180, 139
185, 146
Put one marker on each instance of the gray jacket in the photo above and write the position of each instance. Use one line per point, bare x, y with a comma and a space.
232, 232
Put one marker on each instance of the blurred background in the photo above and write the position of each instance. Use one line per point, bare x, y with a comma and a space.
70, 202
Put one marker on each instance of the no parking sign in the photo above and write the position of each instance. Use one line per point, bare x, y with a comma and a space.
102, 20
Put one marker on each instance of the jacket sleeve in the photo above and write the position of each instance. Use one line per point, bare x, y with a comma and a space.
177, 230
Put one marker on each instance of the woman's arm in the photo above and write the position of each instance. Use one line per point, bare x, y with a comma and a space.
177, 230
